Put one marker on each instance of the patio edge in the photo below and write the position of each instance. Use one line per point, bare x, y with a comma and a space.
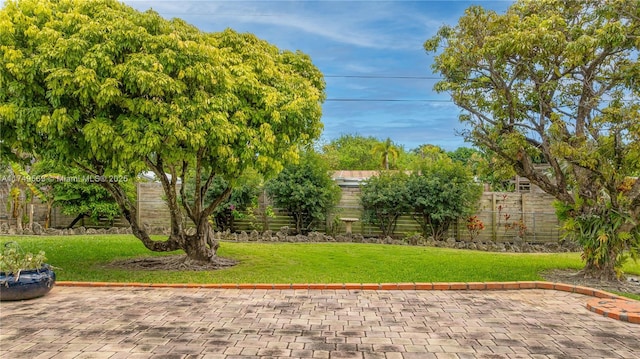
604, 303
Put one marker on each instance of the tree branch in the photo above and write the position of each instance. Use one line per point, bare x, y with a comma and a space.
183, 192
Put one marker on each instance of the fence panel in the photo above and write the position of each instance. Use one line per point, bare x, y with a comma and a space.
506, 215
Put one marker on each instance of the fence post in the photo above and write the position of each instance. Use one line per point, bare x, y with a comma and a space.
534, 226
31, 216
522, 216
494, 230
138, 208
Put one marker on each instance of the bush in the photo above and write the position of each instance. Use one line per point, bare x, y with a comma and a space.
439, 194
306, 191
384, 198
13, 259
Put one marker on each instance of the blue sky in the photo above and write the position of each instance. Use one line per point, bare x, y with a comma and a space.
379, 78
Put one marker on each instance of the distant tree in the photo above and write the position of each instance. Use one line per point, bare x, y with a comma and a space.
486, 167
440, 193
100, 86
24, 183
426, 153
306, 190
556, 82
490, 169
388, 152
16, 185
83, 199
464, 155
351, 152
384, 199
73, 191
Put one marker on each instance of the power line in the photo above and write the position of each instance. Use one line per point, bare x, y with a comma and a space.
415, 100
385, 77
383, 100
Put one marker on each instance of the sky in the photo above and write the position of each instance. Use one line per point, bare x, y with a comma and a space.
379, 80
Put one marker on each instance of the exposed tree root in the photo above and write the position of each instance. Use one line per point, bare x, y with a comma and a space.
605, 276
176, 262
579, 278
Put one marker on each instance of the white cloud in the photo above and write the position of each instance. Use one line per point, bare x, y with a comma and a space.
352, 38
374, 24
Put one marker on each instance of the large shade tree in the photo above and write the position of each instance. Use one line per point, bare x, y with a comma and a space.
103, 87
556, 82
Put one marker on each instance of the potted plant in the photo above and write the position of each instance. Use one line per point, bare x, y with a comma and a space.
23, 275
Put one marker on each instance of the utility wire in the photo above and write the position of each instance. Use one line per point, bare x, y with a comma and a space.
415, 100
383, 100
385, 77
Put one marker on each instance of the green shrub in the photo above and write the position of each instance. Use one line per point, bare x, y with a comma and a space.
306, 191
442, 192
13, 259
384, 198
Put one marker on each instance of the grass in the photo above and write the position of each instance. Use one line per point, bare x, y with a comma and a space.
83, 258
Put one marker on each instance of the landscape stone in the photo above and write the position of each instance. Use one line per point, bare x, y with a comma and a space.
37, 229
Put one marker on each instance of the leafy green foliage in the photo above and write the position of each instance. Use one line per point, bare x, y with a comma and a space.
76, 193
86, 199
350, 152
388, 153
548, 91
13, 259
306, 190
464, 155
384, 198
100, 86
603, 234
356, 152
442, 192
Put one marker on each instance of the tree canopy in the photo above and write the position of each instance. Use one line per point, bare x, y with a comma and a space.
357, 152
551, 89
388, 153
101, 86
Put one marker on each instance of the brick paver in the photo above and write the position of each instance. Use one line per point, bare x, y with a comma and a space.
77, 322
616, 308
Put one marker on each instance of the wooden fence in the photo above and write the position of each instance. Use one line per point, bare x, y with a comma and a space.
505, 215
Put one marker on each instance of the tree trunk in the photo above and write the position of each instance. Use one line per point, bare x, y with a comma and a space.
201, 246
79, 217
31, 217
47, 220
602, 270
603, 273
18, 217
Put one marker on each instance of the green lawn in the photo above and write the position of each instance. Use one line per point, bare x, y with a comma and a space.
83, 258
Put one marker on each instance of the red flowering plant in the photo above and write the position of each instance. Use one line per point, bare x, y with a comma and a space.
474, 226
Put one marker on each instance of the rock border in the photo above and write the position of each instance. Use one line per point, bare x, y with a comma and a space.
517, 245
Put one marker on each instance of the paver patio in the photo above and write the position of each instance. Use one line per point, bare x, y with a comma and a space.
77, 322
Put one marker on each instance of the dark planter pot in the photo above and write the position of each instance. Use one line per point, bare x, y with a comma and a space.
31, 283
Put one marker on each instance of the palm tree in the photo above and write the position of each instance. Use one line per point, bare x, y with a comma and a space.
388, 151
